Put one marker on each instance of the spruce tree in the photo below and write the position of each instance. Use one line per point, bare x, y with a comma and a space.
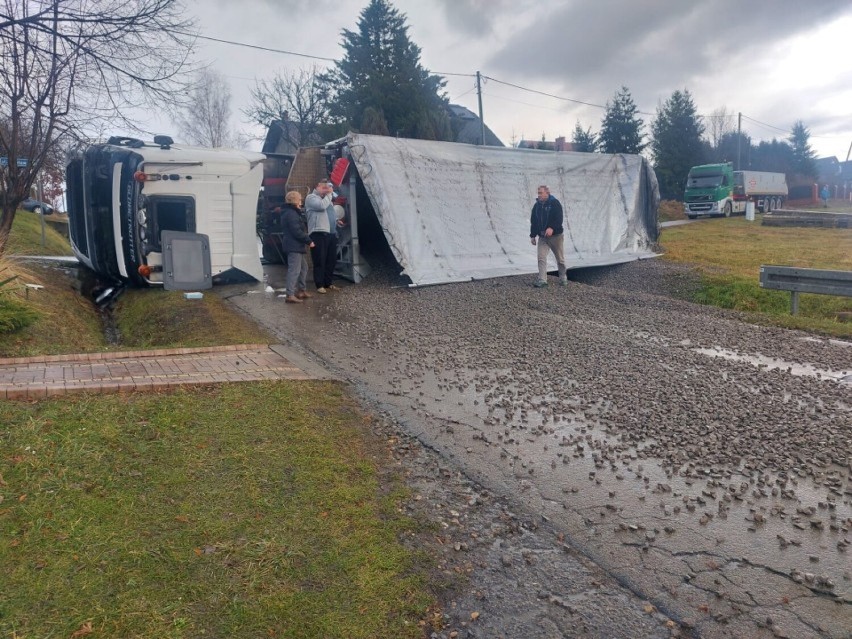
621, 129
381, 70
676, 143
584, 140
803, 154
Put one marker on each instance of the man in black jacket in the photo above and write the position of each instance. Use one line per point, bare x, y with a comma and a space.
546, 232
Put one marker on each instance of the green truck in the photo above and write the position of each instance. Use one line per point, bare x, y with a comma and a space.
716, 189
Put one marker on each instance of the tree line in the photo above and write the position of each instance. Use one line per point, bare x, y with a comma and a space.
679, 139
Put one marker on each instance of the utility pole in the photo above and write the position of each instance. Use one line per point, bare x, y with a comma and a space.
481, 120
738, 167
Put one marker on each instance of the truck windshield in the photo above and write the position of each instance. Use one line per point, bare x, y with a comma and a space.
704, 180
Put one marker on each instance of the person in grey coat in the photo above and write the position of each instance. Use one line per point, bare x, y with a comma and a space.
294, 243
319, 228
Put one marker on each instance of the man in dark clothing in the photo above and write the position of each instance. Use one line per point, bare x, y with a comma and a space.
546, 233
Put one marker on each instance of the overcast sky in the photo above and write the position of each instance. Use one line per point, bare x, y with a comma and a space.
775, 61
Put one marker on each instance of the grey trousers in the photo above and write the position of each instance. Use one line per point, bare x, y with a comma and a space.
297, 272
553, 243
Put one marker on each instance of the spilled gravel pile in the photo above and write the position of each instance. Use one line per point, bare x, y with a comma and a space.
704, 462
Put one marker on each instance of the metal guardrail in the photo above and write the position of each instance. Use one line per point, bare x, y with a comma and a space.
805, 280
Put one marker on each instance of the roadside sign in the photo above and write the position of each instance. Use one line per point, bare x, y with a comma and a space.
22, 162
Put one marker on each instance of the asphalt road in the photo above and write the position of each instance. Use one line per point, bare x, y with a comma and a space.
703, 462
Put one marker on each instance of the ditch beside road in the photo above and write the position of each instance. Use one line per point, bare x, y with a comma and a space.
605, 460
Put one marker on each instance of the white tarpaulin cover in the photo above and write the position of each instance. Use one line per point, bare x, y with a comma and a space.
454, 212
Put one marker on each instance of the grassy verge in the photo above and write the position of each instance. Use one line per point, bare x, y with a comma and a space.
172, 516
26, 238
670, 210
63, 321
155, 318
727, 254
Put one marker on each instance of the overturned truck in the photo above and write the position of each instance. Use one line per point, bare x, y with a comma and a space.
455, 212
165, 214
161, 214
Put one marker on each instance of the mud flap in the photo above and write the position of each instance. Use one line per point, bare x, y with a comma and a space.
186, 261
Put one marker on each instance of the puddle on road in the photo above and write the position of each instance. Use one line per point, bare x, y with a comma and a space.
771, 363
604, 493
622, 492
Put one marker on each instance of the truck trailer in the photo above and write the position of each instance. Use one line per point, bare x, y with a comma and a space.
158, 213
716, 189
451, 212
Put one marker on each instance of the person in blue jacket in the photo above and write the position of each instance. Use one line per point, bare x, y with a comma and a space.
824, 195
546, 233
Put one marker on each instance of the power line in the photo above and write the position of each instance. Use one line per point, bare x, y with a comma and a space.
470, 75
557, 97
768, 126
473, 88
259, 48
505, 99
549, 95
461, 75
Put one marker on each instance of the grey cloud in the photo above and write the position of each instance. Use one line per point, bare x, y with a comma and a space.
289, 7
476, 17
649, 46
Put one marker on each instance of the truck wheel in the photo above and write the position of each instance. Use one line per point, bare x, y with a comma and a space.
727, 210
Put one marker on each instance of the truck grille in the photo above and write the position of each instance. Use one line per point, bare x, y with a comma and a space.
699, 198
700, 207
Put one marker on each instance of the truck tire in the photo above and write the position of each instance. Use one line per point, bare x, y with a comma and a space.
727, 210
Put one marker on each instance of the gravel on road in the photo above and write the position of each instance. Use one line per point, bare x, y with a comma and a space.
696, 466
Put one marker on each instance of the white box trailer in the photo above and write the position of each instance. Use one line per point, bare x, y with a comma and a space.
456, 212
767, 190
124, 194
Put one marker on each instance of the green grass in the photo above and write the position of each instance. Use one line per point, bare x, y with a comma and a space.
176, 515
670, 210
728, 253
26, 238
56, 319
62, 321
156, 318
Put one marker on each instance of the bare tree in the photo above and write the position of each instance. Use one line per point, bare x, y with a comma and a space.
67, 65
301, 99
206, 119
719, 123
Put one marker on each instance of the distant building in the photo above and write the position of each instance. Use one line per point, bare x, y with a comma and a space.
467, 129
828, 169
284, 138
838, 175
559, 144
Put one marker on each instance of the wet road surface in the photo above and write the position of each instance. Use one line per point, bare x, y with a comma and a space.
702, 461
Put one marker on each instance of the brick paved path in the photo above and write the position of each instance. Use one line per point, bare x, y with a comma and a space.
32, 377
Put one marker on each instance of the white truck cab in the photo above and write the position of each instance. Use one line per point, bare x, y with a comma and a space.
124, 194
